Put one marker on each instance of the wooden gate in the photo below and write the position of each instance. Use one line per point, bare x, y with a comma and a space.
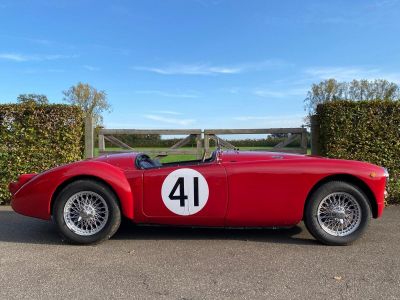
293, 134
110, 136
202, 139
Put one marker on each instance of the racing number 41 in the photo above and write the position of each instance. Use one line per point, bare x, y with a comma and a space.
180, 183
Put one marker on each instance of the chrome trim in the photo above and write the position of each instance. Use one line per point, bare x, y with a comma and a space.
386, 172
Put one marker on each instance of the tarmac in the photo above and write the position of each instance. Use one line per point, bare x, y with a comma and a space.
198, 263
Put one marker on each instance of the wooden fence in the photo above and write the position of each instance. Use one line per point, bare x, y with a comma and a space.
202, 138
110, 136
293, 134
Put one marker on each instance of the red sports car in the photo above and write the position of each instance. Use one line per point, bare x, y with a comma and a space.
87, 199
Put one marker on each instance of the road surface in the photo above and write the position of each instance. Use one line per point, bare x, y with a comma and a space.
187, 263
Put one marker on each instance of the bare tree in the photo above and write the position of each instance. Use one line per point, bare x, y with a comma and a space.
356, 90
92, 101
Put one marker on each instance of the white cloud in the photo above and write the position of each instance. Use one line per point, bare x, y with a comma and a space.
208, 69
342, 73
91, 68
192, 69
383, 3
232, 90
167, 112
12, 56
350, 73
40, 71
17, 57
208, 3
43, 42
272, 121
163, 119
169, 94
270, 93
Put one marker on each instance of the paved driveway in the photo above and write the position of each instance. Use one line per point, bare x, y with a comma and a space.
186, 263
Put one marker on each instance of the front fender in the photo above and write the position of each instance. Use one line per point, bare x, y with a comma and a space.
35, 197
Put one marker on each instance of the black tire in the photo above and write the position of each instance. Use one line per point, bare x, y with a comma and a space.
311, 213
110, 201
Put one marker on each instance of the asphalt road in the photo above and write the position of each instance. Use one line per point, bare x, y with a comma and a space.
187, 263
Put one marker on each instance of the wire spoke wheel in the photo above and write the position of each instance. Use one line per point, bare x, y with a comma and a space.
86, 213
339, 214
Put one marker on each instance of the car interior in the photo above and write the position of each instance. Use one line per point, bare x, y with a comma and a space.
144, 162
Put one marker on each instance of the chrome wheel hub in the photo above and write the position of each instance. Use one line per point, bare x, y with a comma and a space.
86, 213
339, 214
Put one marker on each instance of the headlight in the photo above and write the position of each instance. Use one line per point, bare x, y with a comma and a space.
386, 174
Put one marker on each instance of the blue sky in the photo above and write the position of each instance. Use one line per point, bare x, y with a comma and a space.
195, 63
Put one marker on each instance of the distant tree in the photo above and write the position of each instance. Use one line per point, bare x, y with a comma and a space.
32, 98
372, 90
278, 135
92, 101
140, 140
356, 90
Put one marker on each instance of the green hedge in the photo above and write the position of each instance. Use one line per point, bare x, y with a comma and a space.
363, 130
34, 138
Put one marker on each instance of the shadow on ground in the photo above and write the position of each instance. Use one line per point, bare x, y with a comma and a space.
19, 229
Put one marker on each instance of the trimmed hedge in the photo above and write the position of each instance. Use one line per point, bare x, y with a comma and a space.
363, 130
34, 138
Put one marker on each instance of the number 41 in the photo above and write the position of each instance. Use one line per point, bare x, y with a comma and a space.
180, 183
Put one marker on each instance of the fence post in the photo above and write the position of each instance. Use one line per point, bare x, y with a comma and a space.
315, 145
206, 143
304, 143
102, 145
198, 146
89, 137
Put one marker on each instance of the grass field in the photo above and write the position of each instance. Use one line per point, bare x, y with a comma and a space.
182, 157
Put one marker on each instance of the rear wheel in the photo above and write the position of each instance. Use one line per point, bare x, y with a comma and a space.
337, 213
86, 212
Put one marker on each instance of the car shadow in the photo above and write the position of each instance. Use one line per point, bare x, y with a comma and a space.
292, 235
15, 228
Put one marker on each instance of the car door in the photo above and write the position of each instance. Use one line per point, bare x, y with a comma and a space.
186, 195
266, 193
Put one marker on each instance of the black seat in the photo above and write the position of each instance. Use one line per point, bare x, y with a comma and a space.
143, 161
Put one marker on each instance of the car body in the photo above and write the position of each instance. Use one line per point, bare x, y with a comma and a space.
231, 188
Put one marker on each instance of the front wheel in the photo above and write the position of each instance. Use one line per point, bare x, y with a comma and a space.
86, 212
337, 213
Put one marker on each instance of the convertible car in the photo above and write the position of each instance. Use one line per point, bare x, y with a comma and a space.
87, 199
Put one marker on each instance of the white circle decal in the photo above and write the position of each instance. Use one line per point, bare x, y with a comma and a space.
185, 191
